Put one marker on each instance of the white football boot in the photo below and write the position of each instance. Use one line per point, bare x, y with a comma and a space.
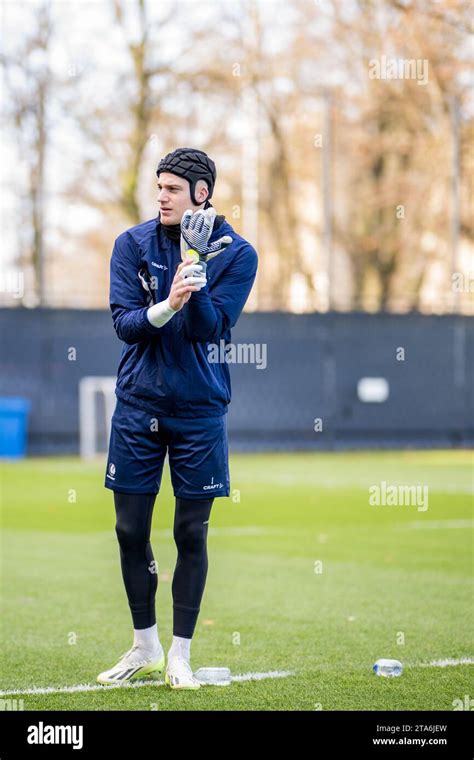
134, 664
179, 674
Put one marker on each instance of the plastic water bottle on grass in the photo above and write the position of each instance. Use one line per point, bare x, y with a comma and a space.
388, 668
213, 676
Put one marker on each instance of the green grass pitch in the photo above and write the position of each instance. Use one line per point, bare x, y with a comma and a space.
305, 576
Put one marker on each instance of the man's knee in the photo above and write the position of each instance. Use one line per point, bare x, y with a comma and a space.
133, 519
190, 535
129, 538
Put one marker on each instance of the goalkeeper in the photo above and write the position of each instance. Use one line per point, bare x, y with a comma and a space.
177, 283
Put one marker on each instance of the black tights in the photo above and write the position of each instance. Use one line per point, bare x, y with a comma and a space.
133, 527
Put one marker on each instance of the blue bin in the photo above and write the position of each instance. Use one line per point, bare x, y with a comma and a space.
13, 426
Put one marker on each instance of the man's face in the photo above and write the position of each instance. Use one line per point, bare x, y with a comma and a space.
174, 197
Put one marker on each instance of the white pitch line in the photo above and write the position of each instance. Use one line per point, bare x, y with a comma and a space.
437, 524
447, 662
262, 676
134, 684
243, 530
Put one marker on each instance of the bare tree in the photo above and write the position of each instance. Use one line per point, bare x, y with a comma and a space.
28, 81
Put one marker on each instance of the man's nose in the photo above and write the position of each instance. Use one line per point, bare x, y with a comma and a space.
162, 195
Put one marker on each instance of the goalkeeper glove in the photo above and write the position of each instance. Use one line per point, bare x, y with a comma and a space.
196, 229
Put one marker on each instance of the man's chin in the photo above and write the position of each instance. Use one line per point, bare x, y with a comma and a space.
168, 219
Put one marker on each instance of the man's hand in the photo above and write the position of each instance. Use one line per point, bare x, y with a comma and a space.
182, 289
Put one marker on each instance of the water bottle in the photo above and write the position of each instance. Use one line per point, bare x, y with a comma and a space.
388, 668
213, 676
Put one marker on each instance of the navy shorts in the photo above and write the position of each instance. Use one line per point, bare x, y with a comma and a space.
197, 451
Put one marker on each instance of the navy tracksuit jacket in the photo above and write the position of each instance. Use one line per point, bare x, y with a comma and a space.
165, 370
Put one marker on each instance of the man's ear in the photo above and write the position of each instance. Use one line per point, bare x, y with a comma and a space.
201, 191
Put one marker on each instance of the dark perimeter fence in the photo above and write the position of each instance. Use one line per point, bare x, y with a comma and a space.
313, 381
